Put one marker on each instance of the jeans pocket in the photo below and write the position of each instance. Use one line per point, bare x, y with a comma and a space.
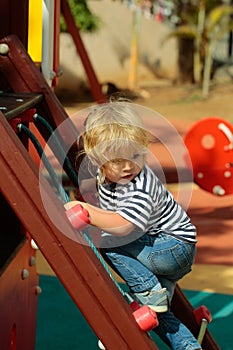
184, 256
174, 260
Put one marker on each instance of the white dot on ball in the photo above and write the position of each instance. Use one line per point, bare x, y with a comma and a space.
227, 174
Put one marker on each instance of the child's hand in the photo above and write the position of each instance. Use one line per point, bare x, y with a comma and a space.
71, 204
77, 214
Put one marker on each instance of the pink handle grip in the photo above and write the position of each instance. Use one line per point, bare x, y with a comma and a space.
146, 318
78, 216
201, 313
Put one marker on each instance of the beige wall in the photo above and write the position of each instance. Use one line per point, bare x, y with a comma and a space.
109, 50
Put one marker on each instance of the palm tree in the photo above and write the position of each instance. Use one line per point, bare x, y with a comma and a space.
218, 24
208, 30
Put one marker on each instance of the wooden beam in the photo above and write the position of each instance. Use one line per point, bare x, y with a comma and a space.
82, 52
184, 312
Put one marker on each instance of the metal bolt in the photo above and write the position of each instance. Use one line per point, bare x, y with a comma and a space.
101, 345
38, 290
25, 274
32, 261
4, 49
34, 245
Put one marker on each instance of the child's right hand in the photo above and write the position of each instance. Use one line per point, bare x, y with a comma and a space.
71, 204
77, 214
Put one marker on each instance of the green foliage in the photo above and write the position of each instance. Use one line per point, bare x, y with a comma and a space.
206, 26
85, 20
187, 10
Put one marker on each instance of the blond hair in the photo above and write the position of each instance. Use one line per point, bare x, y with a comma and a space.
112, 128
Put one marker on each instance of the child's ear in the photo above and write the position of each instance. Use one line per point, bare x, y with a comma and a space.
80, 142
101, 175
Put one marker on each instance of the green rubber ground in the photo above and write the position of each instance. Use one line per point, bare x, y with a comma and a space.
60, 325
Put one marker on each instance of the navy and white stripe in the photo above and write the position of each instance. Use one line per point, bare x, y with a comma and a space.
147, 203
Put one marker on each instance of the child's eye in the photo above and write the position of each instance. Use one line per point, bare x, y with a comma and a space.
136, 156
117, 161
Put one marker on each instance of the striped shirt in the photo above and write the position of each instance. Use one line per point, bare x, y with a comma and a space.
147, 204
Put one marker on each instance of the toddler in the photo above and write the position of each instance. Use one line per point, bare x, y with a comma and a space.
147, 238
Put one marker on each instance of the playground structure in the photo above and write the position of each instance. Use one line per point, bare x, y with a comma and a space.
22, 192
25, 91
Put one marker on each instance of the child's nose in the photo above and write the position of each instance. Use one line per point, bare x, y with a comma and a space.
128, 165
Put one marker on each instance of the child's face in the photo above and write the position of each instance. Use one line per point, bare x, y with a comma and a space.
123, 170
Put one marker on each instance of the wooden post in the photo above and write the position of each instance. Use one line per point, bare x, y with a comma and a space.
81, 50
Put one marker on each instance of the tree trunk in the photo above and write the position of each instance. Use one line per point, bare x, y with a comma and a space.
185, 60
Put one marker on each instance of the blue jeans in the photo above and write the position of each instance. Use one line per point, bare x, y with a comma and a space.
157, 260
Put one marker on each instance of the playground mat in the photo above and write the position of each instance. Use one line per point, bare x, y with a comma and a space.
61, 326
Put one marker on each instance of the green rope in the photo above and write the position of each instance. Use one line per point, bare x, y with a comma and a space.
61, 192
67, 163
65, 198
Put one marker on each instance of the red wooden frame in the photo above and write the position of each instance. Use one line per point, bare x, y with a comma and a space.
81, 50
